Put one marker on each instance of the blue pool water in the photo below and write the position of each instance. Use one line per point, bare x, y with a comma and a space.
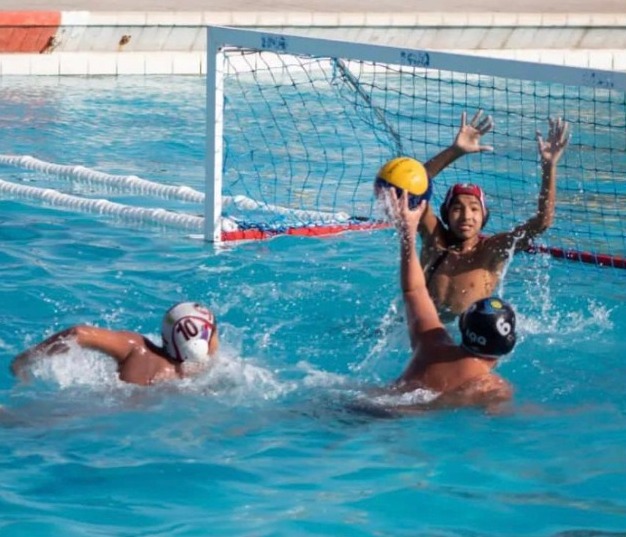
264, 444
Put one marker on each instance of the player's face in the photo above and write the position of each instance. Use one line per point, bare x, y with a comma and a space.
465, 216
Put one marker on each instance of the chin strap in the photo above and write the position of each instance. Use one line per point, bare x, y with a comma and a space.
479, 354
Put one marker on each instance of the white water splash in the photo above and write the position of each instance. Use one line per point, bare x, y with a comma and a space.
76, 367
590, 321
319, 378
389, 329
419, 396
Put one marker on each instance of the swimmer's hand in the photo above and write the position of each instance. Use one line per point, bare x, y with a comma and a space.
468, 138
406, 219
20, 367
551, 150
56, 344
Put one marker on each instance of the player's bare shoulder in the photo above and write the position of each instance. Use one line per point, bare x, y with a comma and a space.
487, 391
493, 251
146, 365
490, 390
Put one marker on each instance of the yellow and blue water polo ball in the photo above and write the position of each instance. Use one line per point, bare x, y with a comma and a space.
405, 173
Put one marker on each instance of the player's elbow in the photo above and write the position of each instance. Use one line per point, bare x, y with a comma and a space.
77, 332
546, 223
540, 224
413, 295
82, 334
547, 217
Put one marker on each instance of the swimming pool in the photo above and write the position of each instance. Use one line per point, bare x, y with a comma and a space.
263, 444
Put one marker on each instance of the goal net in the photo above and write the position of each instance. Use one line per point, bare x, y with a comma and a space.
297, 128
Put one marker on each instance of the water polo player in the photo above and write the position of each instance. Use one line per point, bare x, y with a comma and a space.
190, 340
461, 264
459, 375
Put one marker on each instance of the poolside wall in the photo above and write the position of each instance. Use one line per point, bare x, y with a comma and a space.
97, 43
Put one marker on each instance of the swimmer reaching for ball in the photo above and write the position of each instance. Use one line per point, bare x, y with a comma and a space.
462, 265
190, 339
460, 375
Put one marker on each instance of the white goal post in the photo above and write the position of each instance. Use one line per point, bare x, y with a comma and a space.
301, 124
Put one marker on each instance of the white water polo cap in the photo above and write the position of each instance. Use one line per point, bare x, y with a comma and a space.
186, 331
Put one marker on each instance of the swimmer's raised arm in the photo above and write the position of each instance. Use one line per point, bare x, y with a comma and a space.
420, 308
550, 152
467, 140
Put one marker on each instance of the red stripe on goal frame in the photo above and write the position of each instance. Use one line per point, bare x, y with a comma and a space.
604, 260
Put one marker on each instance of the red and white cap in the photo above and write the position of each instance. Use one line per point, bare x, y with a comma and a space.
464, 188
186, 331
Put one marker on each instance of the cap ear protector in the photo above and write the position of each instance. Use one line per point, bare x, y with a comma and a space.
457, 190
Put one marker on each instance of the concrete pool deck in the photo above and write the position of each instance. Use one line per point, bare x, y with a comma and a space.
168, 36
334, 6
